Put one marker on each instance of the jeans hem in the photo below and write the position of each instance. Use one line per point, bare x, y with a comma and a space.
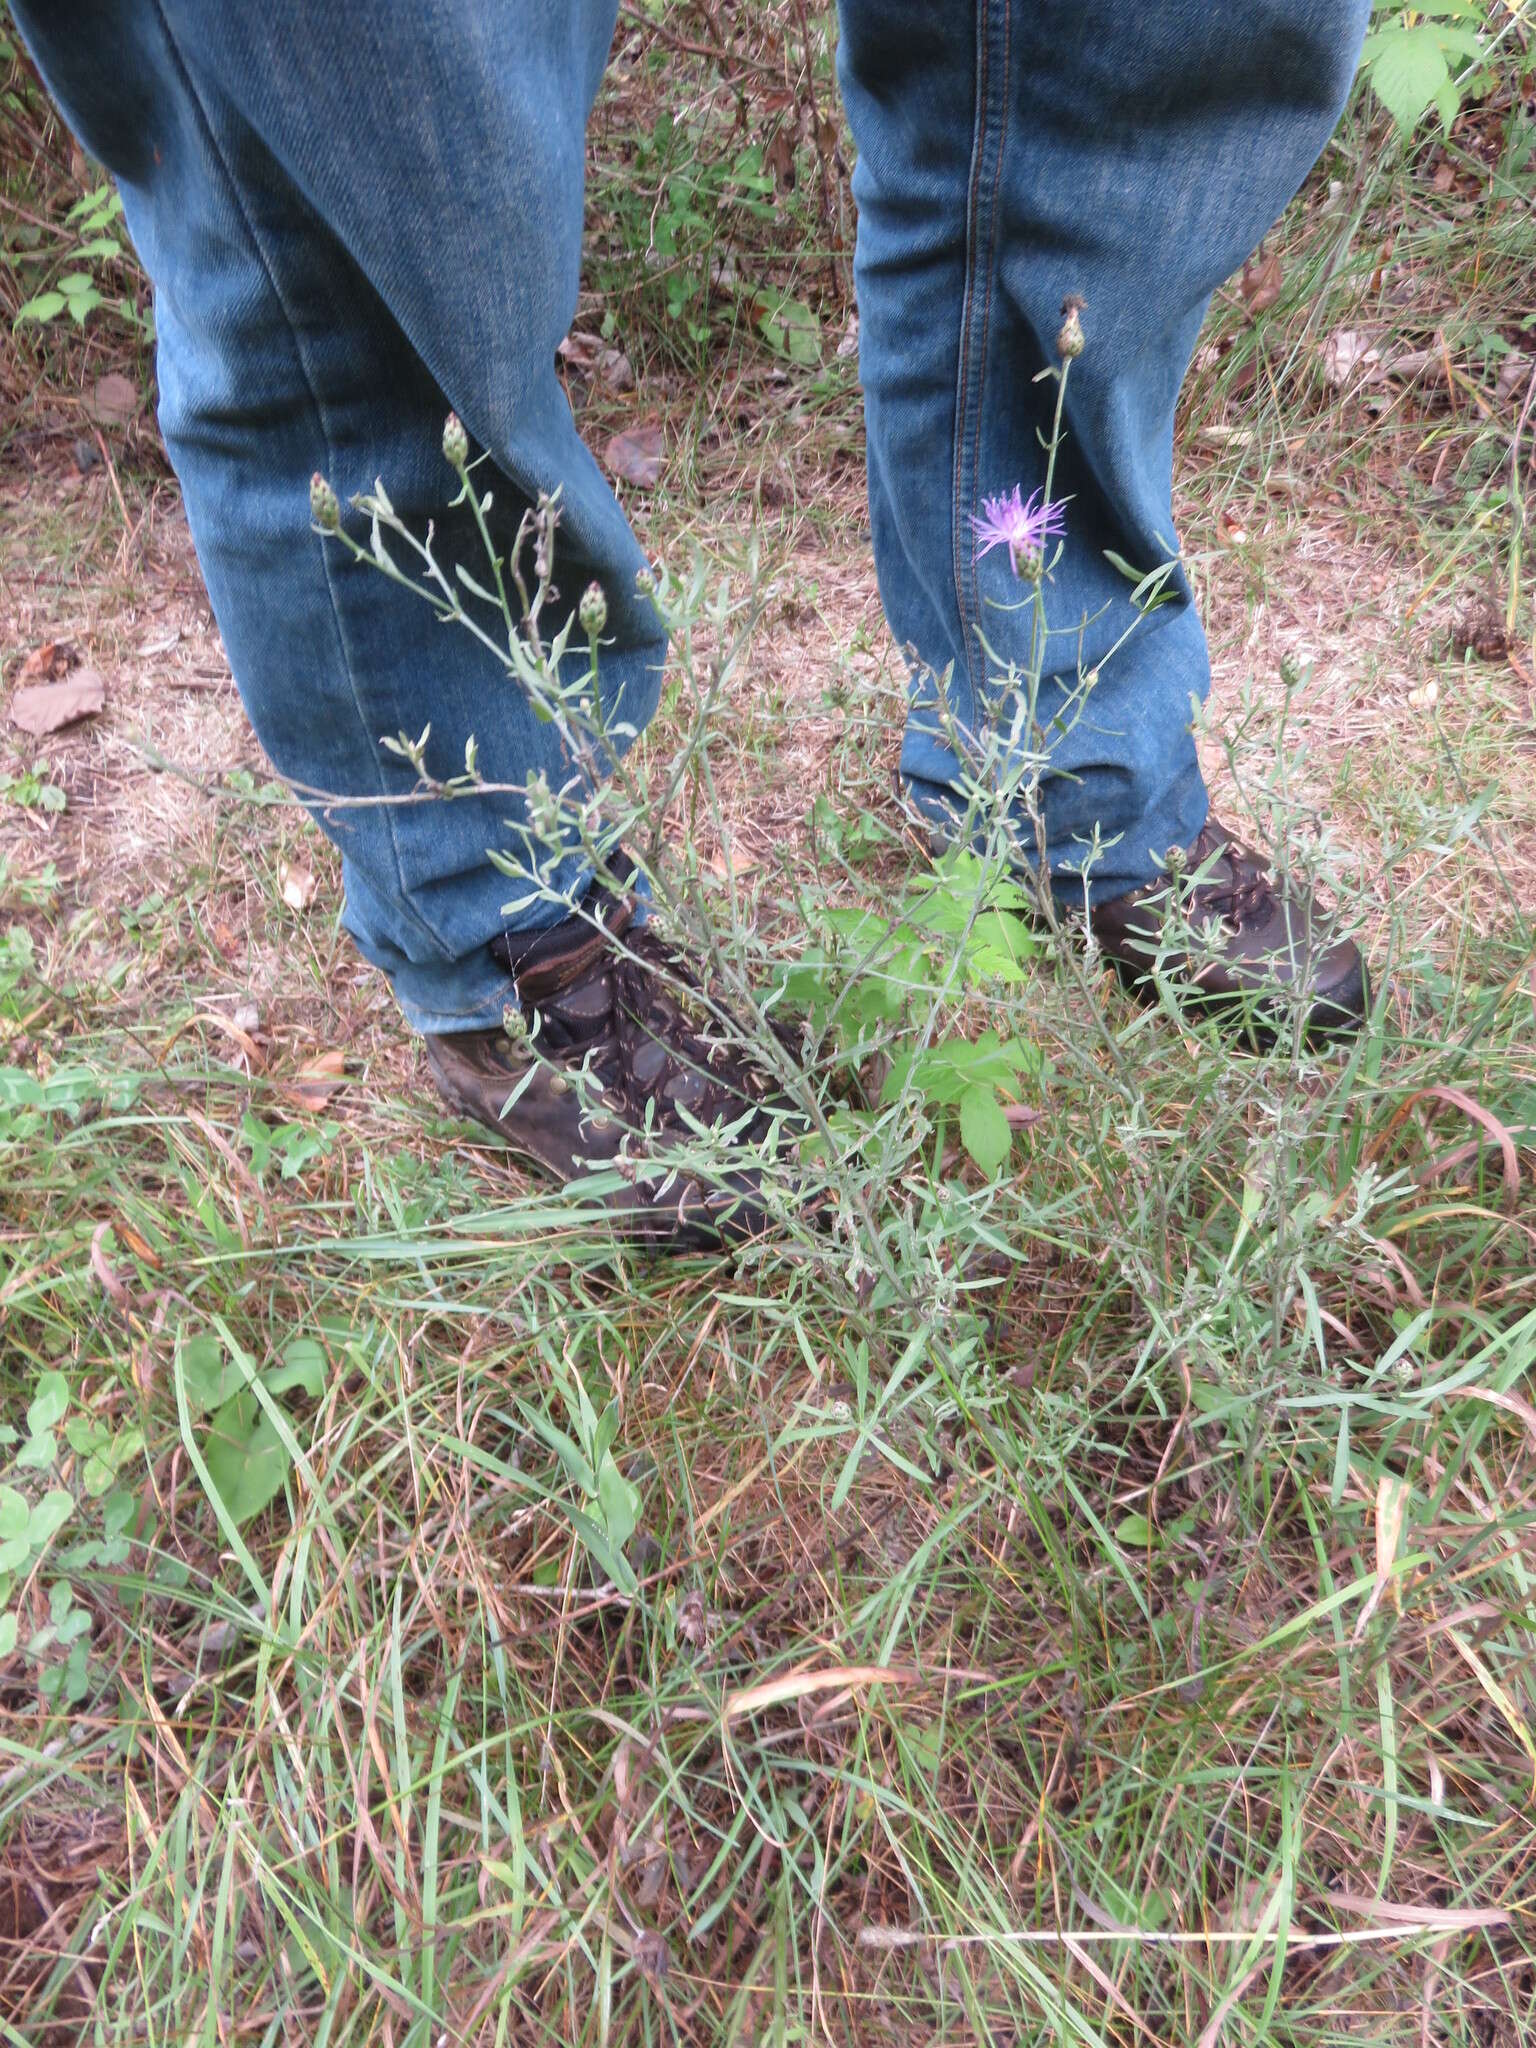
440, 1014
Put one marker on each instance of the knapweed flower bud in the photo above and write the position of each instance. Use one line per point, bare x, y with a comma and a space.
593, 610
455, 442
1070, 338
543, 807
324, 508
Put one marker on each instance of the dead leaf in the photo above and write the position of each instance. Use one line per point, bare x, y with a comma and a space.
615, 369
1391, 1507
317, 1080
1510, 1403
1349, 357
297, 885
1261, 282
636, 455
779, 161
112, 1286
693, 1618
49, 707
136, 1244
1414, 362
237, 1031
733, 860
1436, 1779
1515, 370
114, 401
48, 663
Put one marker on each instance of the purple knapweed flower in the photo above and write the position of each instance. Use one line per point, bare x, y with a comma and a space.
1022, 525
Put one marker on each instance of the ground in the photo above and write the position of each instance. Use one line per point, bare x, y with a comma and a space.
1086, 1602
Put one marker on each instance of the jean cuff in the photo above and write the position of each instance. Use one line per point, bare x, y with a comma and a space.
460, 995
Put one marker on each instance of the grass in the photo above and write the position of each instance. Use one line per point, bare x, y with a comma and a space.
1090, 1604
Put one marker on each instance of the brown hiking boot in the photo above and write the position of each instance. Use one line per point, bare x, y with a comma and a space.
1238, 941
620, 1060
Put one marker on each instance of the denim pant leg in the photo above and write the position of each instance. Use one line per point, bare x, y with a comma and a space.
1012, 152
355, 217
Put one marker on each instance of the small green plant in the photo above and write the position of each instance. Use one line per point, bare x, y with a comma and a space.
18, 956
683, 211
893, 987
289, 1147
95, 269
609, 1512
247, 1443
1431, 56
32, 791
27, 892
37, 1504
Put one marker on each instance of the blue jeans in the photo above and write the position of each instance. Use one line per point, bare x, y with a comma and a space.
356, 217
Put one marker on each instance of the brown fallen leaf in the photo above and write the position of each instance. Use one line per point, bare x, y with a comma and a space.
590, 355
693, 1618
732, 860
636, 455
1261, 281
1022, 1116
779, 161
48, 663
1350, 357
114, 401
48, 707
297, 885
136, 1244
1515, 372
232, 1028
579, 350
616, 370
317, 1080
115, 1289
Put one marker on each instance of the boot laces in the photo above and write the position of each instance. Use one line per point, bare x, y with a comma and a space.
647, 990
1245, 888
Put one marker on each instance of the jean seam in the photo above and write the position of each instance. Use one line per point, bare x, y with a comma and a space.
403, 895
962, 380
981, 247
974, 592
